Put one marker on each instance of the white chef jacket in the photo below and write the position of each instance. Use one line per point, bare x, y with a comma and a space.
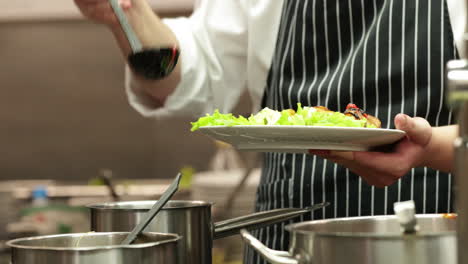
227, 46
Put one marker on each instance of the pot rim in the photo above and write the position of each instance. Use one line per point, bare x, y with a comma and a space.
292, 228
13, 243
115, 206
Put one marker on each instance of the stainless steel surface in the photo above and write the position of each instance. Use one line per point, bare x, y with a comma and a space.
461, 177
257, 220
95, 248
273, 256
153, 211
189, 219
457, 83
366, 240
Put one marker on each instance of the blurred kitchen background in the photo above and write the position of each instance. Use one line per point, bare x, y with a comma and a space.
65, 123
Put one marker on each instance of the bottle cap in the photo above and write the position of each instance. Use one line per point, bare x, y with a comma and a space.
39, 192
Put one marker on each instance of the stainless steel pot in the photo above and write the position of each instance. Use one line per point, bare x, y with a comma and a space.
189, 219
95, 248
365, 240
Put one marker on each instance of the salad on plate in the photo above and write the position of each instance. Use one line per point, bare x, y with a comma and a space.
303, 116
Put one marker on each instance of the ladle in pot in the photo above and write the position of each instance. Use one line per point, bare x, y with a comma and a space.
151, 63
154, 210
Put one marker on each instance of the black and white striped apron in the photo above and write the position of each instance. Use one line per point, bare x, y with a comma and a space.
386, 56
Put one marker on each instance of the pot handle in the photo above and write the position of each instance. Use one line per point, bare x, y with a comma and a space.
258, 220
273, 256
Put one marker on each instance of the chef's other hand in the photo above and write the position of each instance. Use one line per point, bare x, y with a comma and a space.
100, 11
383, 169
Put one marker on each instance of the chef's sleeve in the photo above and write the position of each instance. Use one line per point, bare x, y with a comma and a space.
213, 45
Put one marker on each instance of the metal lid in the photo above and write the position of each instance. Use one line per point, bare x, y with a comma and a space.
374, 227
91, 241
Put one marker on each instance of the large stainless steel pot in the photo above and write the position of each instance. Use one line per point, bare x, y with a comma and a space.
365, 240
95, 248
189, 219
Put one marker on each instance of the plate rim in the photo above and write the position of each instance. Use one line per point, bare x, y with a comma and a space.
392, 130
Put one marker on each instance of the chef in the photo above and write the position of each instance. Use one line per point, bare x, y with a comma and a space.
386, 56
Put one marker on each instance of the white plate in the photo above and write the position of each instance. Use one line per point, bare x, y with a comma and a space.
302, 138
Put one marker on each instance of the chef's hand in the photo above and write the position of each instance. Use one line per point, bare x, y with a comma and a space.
383, 169
100, 11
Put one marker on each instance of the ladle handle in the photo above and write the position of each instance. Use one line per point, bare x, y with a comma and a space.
261, 219
152, 213
132, 38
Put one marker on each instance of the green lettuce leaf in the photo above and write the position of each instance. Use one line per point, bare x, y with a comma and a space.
304, 116
218, 119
